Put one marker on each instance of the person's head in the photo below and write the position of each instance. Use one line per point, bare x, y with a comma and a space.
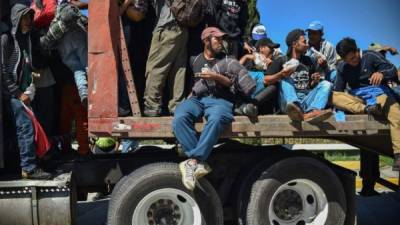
296, 41
266, 47
25, 24
258, 32
212, 39
21, 18
347, 49
315, 32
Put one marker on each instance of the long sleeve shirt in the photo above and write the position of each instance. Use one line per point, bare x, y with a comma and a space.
356, 77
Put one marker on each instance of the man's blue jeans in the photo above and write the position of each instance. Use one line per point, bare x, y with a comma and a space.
73, 50
218, 113
25, 135
129, 145
315, 99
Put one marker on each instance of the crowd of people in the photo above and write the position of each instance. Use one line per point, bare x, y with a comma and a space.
188, 64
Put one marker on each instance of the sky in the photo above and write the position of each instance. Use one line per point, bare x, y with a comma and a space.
364, 20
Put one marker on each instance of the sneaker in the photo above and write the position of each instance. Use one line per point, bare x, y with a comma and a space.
396, 162
187, 169
247, 109
36, 174
294, 112
201, 170
374, 110
317, 116
147, 112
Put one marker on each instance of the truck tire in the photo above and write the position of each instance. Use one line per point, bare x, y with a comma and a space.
298, 190
247, 179
154, 194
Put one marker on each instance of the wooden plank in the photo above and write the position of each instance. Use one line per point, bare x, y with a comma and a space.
264, 126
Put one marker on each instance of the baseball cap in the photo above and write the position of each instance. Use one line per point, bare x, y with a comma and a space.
268, 42
375, 47
211, 31
315, 25
259, 32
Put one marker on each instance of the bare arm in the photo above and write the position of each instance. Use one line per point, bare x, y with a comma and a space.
246, 57
79, 4
273, 79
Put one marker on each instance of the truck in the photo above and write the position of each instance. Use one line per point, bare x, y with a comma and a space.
250, 184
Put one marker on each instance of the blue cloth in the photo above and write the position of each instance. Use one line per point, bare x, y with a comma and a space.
218, 113
25, 135
84, 11
370, 93
258, 76
73, 50
331, 76
129, 145
340, 116
316, 99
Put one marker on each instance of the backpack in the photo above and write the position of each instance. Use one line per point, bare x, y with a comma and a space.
187, 13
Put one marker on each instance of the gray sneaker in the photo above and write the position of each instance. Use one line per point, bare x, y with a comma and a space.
188, 168
201, 170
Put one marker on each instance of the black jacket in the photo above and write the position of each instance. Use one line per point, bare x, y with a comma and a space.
11, 55
358, 76
231, 17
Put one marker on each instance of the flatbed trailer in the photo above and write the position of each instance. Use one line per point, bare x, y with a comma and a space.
250, 184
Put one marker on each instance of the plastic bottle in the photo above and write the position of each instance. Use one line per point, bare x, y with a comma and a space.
210, 83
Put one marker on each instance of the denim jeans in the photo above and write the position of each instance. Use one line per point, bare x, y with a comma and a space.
331, 76
25, 135
218, 113
258, 76
316, 98
129, 145
73, 50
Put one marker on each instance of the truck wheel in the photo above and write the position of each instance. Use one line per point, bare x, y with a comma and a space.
247, 180
154, 194
297, 191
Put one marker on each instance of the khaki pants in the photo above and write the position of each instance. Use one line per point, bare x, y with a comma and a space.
389, 105
166, 65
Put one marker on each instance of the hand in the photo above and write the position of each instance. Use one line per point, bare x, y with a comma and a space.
286, 72
268, 61
316, 77
376, 78
209, 75
248, 48
393, 51
321, 62
25, 99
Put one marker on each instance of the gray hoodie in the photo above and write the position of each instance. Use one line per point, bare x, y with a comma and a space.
11, 56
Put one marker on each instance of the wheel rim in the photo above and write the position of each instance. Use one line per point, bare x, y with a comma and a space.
298, 202
167, 206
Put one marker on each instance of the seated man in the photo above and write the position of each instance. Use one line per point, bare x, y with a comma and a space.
322, 51
360, 70
212, 98
303, 96
261, 63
